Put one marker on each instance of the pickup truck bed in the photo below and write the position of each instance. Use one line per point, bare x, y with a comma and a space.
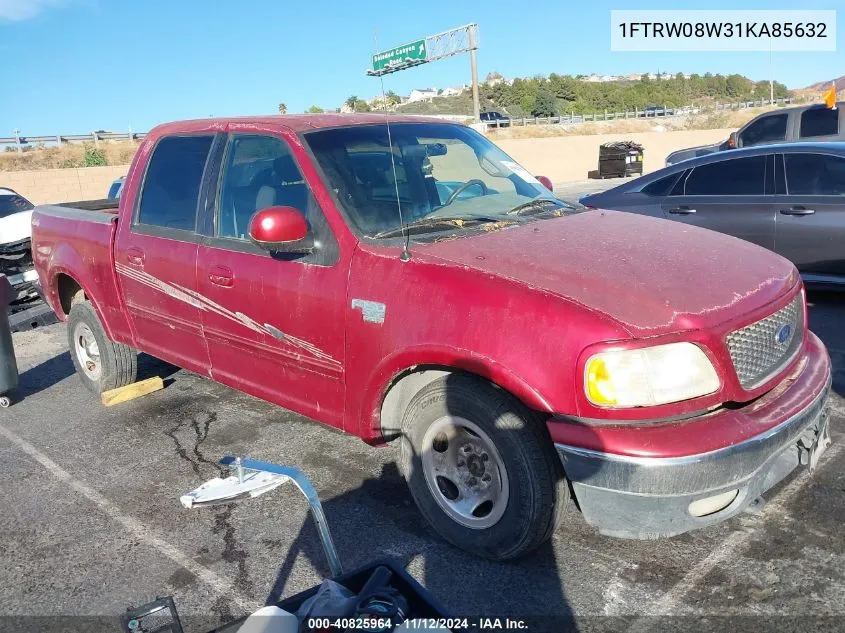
80, 235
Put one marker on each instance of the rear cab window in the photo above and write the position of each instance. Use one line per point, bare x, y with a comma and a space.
170, 192
819, 122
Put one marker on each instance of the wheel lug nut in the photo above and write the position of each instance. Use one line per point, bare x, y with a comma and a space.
484, 457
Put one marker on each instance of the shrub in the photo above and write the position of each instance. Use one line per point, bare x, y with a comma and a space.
94, 157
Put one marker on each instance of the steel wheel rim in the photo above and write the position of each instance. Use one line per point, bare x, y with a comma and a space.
464, 472
87, 351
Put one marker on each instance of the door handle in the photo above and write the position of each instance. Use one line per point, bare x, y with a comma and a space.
797, 211
681, 210
135, 256
221, 276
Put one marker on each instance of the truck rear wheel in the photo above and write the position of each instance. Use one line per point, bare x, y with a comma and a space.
482, 468
100, 363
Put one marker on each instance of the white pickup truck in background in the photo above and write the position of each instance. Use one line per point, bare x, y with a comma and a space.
26, 308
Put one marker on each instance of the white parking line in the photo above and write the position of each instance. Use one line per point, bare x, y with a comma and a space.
217, 584
670, 602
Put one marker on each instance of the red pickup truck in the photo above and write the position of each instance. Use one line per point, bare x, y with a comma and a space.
403, 278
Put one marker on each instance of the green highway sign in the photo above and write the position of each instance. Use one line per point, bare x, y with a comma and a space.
399, 56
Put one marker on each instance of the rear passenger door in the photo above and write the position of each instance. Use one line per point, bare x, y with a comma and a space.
728, 196
156, 253
811, 212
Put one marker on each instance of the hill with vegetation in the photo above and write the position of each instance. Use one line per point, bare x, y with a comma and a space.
561, 94
820, 86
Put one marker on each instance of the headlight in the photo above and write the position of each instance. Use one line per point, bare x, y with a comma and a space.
649, 376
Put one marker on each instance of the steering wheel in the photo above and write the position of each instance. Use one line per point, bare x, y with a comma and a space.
464, 187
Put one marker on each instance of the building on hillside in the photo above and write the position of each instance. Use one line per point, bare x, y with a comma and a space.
452, 91
594, 78
422, 94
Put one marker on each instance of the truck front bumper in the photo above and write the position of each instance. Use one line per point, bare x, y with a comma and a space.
650, 497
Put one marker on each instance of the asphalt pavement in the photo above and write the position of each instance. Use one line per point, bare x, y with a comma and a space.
91, 520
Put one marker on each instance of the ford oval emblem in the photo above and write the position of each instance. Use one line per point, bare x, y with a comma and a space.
783, 334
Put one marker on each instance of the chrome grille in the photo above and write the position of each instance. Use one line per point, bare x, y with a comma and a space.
761, 349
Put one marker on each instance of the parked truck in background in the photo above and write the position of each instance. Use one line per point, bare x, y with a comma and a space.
785, 125
15, 250
403, 279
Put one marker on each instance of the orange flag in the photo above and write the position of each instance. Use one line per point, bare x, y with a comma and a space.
830, 97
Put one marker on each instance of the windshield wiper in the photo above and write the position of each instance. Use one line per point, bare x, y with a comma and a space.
537, 206
442, 224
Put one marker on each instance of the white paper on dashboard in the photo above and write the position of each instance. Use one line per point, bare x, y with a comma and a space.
520, 171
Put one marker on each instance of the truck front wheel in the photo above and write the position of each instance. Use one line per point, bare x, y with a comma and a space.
100, 363
482, 468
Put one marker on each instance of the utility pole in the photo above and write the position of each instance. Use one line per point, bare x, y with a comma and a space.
473, 62
771, 77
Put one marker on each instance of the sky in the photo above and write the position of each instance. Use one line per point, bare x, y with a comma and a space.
73, 66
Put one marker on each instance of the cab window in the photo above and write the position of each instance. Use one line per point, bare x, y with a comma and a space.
819, 122
259, 172
172, 183
768, 129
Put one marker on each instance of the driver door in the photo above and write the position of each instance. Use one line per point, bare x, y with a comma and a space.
274, 324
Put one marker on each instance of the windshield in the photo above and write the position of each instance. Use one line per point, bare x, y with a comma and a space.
11, 203
439, 171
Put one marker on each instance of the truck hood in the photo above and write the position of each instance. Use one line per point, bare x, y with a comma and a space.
652, 276
16, 227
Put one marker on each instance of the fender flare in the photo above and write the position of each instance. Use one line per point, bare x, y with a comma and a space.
444, 358
73, 267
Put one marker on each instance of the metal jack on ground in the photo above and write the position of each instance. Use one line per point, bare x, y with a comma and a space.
253, 478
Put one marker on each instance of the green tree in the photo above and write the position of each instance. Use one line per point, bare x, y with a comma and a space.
544, 103
283, 109
351, 101
315, 109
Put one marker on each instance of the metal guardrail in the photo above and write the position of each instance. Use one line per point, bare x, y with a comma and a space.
662, 112
94, 137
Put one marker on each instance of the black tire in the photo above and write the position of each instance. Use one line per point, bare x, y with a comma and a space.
538, 493
118, 363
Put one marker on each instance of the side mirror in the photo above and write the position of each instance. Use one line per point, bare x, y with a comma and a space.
281, 230
732, 141
546, 182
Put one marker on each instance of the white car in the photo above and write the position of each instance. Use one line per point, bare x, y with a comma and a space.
15, 249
